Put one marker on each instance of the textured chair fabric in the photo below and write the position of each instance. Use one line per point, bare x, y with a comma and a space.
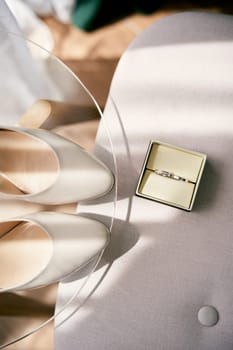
173, 84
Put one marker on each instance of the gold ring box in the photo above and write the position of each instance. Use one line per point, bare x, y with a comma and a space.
171, 175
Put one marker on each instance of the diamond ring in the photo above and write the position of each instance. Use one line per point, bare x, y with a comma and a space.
170, 175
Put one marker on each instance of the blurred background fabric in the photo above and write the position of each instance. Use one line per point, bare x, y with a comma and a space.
91, 35
31, 26
61, 9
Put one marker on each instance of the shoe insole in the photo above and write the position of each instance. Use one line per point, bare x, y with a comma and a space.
25, 250
7, 186
47, 114
27, 165
74, 122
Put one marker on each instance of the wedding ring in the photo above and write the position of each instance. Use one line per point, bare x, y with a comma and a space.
170, 175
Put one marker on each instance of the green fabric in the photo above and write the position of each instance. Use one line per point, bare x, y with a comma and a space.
85, 12
91, 14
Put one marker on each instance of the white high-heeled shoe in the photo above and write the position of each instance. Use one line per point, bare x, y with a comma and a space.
42, 248
40, 166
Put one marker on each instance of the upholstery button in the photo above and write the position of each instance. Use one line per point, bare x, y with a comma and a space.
208, 316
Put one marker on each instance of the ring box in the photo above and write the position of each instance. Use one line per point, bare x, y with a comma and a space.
171, 175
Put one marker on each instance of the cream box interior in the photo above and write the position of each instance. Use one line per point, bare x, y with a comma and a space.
171, 175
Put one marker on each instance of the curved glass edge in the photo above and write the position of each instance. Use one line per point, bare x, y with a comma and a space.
114, 190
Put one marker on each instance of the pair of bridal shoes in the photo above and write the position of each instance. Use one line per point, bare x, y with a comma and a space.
42, 167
